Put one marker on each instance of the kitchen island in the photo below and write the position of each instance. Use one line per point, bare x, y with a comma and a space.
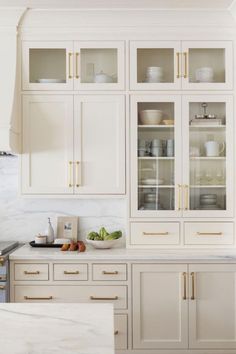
57, 328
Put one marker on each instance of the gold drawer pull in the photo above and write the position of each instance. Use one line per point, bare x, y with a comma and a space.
70, 174
75, 272
103, 298
185, 65
2, 287
69, 60
2, 261
116, 332
77, 174
32, 273
155, 233
178, 65
38, 298
185, 286
193, 286
77, 65
209, 233
110, 273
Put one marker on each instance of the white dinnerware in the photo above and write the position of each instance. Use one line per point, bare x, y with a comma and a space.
214, 148
204, 74
150, 116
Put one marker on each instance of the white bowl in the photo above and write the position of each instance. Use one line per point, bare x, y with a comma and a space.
204, 74
102, 244
150, 116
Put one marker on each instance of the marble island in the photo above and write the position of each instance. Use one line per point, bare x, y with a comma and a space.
123, 254
57, 328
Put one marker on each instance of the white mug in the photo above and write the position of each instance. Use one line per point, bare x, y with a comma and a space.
213, 148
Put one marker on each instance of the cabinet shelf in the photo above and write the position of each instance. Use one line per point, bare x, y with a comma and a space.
155, 126
208, 186
195, 127
155, 186
207, 158
155, 158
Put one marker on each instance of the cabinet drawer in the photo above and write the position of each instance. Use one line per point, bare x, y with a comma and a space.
109, 272
121, 333
209, 233
155, 233
27, 271
70, 271
69, 293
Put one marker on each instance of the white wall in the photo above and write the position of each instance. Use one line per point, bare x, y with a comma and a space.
21, 218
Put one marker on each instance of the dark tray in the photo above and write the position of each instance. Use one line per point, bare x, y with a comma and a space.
44, 245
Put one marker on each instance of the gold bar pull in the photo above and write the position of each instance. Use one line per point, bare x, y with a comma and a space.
186, 197
185, 286
77, 65
69, 60
110, 273
32, 273
178, 65
70, 174
2, 261
103, 298
77, 174
38, 298
67, 273
209, 233
193, 286
185, 65
2, 287
155, 233
179, 196
116, 332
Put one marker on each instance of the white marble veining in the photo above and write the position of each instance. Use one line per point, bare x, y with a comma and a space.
121, 254
56, 329
22, 218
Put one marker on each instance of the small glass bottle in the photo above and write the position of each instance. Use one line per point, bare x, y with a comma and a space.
49, 232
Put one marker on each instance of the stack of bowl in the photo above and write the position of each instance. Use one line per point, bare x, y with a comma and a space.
154, 74
208, 201
150, 116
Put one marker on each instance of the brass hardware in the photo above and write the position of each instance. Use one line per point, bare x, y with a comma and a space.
77, 174
38, 298
75, 272
185, 65
186, 207
193, 286
70, 174
110, 273
209, 233
2, 287
31, 273
70, 74
116, 332
155, 233
185, 286
103, 298
178, 65
179, 196
2, 260
77, 65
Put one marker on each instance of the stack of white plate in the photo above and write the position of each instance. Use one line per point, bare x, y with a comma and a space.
154, 74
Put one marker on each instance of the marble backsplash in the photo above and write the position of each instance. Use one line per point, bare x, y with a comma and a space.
22, 218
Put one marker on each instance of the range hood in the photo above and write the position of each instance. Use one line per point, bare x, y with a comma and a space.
9, 84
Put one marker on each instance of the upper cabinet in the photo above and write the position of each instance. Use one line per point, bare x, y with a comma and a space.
73, 65
188, 65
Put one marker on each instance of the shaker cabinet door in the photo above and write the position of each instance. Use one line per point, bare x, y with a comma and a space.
47, 151
99, 135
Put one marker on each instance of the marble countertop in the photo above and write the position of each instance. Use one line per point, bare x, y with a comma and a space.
122, 254
57, 328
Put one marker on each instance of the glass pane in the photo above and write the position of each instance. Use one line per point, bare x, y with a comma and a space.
99, 65
156, 151
207, 65
207, 149
47, 65
155, 65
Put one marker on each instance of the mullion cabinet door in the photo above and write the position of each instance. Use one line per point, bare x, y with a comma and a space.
207, 65
99, 65
208, 150
155, 65
47, 65
99, 135
156, 156
47, 151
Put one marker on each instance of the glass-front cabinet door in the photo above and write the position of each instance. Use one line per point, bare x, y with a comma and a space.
207, 65
155, 65
207, 188
99, 65
47, 65
155, 156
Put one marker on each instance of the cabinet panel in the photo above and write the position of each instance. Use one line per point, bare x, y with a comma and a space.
100, 144
47, 144
160, 307
121, 331
212, 308
109, 272
159, 233
70, 271
31, 272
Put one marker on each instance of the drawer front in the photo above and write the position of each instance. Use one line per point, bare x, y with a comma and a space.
155, 233
27, 271
209, 233
69, 293
121, 332
109, 272
70, 271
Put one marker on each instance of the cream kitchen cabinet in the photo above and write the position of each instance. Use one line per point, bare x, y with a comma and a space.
72, 65
188, 65
73, 148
